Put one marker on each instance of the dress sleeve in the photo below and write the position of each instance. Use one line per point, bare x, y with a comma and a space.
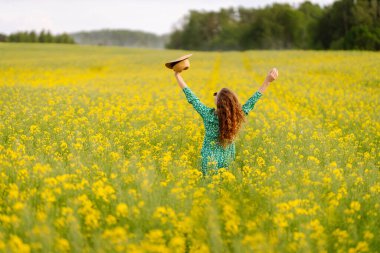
197, 104
248, 106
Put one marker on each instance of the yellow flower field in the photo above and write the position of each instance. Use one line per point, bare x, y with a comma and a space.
100, 152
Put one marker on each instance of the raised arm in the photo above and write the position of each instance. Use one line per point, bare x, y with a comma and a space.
180, 80
191, 97
248, 106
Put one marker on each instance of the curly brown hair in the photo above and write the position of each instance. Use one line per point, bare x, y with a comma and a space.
230, 115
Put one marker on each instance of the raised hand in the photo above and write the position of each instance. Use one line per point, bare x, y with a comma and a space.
272, 75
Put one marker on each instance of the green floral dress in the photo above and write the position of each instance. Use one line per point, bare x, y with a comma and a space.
214, 156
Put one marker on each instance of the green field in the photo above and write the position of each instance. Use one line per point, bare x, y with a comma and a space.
100, 152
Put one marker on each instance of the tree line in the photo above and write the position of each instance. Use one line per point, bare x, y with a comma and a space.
345, 24
120, 37
33, 36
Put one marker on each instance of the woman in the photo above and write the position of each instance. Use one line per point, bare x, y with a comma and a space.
222, 124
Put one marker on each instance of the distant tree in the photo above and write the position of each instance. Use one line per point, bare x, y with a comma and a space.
311, 15
65, 38
33, 36
3, 37
23, 37
49, 37
278, 27
16, 37
42, 36
207, 31
229, 33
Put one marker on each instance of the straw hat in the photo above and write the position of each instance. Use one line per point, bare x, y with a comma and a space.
179, 64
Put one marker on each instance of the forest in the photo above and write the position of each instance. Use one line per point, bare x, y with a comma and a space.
346, 24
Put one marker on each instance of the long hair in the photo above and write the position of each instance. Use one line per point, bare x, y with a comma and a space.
230, 115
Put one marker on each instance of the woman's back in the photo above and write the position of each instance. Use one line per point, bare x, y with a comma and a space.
222, 124
214, 155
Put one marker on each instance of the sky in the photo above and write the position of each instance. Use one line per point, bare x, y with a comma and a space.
157, 16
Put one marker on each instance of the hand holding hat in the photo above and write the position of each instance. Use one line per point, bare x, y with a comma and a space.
179, 64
